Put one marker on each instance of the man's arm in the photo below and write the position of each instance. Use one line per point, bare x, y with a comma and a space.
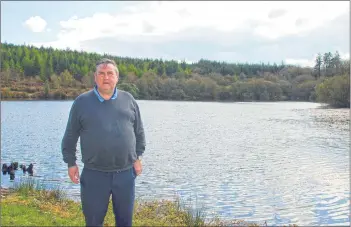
139, 131
70, 138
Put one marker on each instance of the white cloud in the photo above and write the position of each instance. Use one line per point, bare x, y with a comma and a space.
165, 18
35, 24
59, 44
311, 62
301, 62
345, 55
156, 28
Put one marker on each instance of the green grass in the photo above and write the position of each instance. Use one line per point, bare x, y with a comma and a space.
30, 204
20, 214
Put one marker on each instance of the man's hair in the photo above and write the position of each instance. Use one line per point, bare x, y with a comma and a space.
104, 61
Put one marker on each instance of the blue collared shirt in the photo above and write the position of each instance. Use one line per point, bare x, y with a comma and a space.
114, 96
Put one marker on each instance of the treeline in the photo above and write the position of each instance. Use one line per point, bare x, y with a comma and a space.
39, 73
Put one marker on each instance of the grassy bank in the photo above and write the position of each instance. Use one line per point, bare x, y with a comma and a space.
28, 203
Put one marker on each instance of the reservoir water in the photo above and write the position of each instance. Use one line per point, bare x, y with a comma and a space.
283, 162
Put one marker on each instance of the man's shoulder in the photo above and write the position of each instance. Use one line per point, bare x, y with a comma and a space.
85, 96
125, 95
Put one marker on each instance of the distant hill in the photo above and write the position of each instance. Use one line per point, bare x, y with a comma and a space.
29, 72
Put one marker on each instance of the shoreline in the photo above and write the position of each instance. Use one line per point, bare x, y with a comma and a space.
323, 105
29, 202
173, 100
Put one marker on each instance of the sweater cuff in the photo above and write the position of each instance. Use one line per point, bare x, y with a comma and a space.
139, 153
70, 164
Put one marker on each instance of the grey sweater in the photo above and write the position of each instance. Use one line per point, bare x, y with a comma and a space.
111, 132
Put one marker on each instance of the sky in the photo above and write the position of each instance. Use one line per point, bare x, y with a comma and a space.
230, 31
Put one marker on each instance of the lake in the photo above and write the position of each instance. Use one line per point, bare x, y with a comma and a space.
283, 162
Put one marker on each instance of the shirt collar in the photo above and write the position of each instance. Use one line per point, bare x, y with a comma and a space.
101, 99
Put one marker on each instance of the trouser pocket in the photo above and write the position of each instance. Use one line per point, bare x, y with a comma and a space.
81, 179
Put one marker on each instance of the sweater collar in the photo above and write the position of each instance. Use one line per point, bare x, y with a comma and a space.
101, 99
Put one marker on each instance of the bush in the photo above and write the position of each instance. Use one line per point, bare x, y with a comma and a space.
6, 93
59, 94
335, 91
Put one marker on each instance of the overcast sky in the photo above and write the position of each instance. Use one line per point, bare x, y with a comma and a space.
232, 31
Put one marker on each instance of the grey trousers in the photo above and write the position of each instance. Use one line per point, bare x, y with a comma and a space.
96, 189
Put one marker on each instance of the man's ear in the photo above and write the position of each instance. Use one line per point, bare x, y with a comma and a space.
95, 77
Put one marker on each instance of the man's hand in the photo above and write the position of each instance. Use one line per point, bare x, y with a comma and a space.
137, 167
73, 173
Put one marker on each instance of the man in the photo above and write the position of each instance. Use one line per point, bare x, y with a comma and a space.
112, 140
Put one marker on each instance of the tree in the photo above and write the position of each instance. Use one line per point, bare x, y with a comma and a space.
70, 72
66, 78
336, 64
327, 57
47, 89
318, 65
335, 91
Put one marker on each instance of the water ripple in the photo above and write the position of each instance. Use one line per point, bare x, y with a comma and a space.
283, 163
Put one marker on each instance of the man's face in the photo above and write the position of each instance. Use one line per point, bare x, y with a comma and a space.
106, 77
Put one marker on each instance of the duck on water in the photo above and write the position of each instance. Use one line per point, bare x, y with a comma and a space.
10, 169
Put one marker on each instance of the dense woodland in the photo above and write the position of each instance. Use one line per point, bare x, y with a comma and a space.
29, 72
